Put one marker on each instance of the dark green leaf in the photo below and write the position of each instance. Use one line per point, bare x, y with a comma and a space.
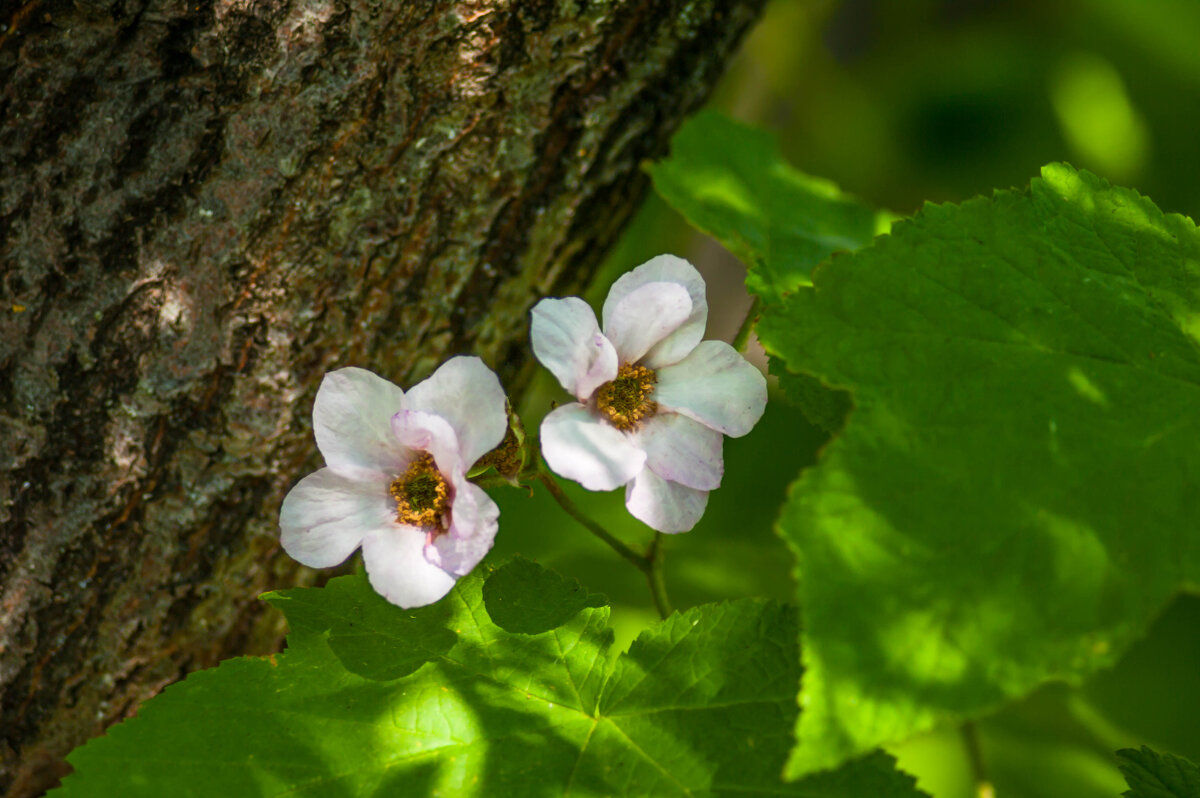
525, 598
369, 636
1154, 775
824, 407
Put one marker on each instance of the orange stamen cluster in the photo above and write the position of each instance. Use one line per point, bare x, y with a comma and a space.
421, 494
625, 401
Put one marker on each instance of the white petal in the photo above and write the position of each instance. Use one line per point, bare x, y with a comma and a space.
398, 570
426, 432
568, 342
352, 421
579, 446
716, 386
662, 505
670, 269
644, 317
473, 525
326, 515
682, 450
467, 394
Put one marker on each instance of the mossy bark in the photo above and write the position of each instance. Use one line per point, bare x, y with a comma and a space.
205, 205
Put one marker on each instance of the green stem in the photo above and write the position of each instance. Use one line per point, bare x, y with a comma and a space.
654, 577
642, 562
970, 735
743, 334
649, 563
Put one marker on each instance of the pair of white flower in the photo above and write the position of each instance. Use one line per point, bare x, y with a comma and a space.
653, 403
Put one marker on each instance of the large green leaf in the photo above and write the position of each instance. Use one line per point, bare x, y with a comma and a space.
701, 705
1154, 775
1017, 490
730, 181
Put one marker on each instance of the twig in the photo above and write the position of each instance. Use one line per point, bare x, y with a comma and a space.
970, 735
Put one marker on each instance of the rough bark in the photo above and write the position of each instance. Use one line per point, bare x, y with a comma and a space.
205, 205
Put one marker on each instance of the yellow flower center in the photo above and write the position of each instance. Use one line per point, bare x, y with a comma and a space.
421, 494
625, 401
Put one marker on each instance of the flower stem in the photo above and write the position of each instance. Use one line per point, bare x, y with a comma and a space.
649, 563
654, 576
641, 561
743, 333
970, 735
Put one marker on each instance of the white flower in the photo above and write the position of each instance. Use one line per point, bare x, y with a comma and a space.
395, 479
654, 399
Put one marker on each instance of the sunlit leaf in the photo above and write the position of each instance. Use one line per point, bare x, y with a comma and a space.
730, 181
703, 704
1017, 490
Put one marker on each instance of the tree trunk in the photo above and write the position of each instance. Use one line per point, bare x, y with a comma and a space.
206, 205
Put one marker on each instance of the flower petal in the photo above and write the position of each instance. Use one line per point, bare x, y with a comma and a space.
467, 394
326, 515
473, 525
427, 432
682, 450
568, 342
352, 421
663, 505
398, 570
645, 316
671, 269
579, 446
716, 386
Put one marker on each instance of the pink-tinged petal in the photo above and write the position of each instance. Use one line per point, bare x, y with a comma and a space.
663, 505
645, 316
467, 394
579, 446
426, 432
473, 523
568, 342
715, 386
352, 421
682, 450
398, 570
670, 269
326, 515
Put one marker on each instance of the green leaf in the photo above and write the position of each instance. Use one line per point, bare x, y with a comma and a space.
1017, 490
703, 704
370, 638
1154, 775
730, 181
525, 598
824, 407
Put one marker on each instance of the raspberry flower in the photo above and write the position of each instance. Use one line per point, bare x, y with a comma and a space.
395, 480
654, 400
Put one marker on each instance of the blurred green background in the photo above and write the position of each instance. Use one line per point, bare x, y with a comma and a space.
903, 103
